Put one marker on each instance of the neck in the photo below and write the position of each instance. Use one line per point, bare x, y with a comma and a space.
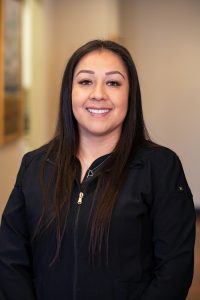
92, 147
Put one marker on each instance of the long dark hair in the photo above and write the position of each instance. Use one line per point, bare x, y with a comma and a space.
64, 147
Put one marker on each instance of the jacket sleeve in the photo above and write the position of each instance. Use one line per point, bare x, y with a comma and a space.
173, 220
15, 254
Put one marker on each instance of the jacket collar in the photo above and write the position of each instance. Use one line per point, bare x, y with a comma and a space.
137, 162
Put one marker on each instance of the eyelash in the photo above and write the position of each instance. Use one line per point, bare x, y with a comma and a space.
113, 83
85, 82
109, 83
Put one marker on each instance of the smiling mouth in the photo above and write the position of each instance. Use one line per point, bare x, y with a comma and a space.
98, 111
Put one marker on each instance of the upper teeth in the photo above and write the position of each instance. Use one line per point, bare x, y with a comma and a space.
97, 111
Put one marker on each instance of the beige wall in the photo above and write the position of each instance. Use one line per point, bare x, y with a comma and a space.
10, 157
164, 39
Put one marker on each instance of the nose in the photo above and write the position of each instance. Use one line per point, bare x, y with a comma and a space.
98, 92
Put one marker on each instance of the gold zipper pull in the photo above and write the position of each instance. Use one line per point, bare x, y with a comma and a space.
80, 198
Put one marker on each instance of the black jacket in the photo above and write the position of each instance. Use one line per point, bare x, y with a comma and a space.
151, 240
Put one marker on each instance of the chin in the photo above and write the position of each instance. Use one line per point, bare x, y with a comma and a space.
98, 133
101, 133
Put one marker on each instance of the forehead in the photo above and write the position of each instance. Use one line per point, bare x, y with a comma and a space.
101, 59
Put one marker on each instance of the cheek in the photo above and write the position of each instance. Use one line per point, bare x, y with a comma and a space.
122, 113
74, 96
76, 99
123, 103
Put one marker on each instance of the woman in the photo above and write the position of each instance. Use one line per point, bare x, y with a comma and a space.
100, 212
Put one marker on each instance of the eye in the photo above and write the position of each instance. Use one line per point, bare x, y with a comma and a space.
85, 82
113, 83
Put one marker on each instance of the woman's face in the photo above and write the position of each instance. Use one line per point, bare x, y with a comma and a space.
100, 92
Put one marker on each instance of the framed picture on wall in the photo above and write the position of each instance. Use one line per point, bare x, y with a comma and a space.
11, 94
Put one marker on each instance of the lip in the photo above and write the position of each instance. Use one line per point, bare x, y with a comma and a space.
98, 108
99, 114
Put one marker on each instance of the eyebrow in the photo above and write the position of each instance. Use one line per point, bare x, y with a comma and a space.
107, 73
115, 72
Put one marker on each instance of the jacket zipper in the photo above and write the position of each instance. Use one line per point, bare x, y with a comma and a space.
79, 202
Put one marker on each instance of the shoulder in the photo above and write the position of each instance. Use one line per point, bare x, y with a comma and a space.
153, 153
163, 167
159, 159
163, 164
156, 153
35, 155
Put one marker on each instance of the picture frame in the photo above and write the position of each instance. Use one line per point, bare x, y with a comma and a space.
11, 92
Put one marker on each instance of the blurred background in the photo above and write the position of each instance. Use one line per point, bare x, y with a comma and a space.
38, 36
